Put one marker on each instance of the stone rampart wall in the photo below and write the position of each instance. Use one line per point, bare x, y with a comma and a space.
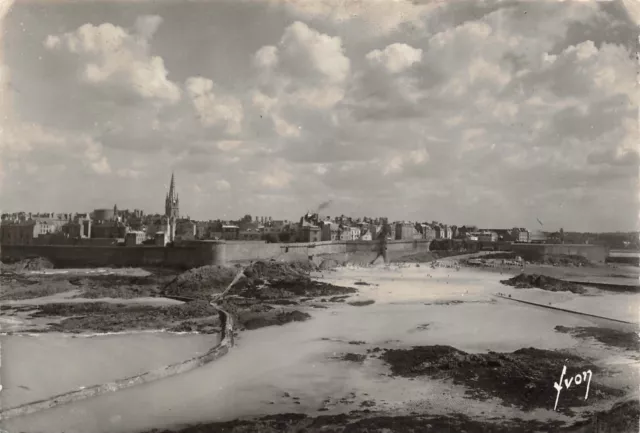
199, 253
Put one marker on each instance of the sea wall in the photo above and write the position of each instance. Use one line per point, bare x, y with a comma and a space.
535, 252
66, 256
200, 253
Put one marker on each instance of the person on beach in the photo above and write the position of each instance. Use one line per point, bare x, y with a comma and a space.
382, 238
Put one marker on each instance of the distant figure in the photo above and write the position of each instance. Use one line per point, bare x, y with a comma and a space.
382, 238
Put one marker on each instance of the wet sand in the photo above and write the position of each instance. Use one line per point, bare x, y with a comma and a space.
298, 367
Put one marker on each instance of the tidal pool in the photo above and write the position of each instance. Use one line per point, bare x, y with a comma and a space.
39, 366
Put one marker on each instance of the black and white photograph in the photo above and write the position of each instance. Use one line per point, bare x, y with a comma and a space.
314, 216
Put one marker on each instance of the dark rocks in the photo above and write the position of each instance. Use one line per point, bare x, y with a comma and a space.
354, 357
197, 316
610, 337
528, 281
271, 319
522, 378
202, 282
361, 303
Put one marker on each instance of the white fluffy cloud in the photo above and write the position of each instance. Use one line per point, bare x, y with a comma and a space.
109, 55
212, 108
384, 16
396, 57
359, 100
306, 67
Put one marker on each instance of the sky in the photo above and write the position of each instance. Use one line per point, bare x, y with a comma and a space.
491, 113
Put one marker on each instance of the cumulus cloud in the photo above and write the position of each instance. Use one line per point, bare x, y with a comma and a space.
395, 57
501, 106
110, 55
212, 108
306, 67
375, 16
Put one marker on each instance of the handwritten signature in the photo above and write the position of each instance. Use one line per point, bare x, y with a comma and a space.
578, 379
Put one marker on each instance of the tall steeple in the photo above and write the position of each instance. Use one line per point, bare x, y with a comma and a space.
172, 205
172, 187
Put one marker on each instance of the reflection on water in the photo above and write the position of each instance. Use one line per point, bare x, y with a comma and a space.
300, 358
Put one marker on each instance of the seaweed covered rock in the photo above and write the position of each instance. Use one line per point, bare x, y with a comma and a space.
528, 281
202, 282
520, 378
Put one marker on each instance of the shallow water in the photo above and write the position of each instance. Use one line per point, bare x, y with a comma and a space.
40, 366
301, 358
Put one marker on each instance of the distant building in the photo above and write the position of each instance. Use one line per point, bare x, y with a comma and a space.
520, 234
345, 233
447, 233
229, 232
133, 238
471, 236
537, 237
161, 239
186, 229
426, 231
404, 231
505, 235
78, 229
19, 233
24, 229
250, 236
487, 236
438, 231
330, 231
109, 229
103, 215
355, 233
308, 232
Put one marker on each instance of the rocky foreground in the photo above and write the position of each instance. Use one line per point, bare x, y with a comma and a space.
622, 418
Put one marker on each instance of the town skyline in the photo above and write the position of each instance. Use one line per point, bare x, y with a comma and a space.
322, 210
452, 111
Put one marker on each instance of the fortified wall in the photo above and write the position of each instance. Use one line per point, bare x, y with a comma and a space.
200, 253
535, 252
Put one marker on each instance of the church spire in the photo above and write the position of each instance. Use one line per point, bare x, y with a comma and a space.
172, 206
172, 188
